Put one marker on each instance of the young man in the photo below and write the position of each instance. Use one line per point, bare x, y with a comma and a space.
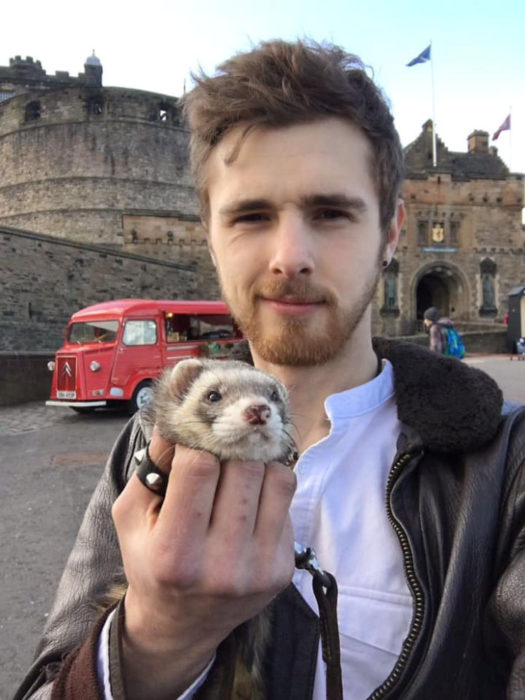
298, 169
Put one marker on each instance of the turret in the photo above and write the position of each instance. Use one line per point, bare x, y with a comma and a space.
93, 71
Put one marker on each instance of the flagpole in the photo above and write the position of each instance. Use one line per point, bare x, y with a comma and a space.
434, 149
510, 137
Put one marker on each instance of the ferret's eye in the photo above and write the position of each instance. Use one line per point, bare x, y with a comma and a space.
275, 396
214, 396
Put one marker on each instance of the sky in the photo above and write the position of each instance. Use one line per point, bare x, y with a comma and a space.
478, 50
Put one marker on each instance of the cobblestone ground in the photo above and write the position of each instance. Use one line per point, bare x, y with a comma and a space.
509, 374
32, 416
51, 459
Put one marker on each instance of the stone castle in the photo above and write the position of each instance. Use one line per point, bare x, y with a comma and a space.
463, 244
95, 180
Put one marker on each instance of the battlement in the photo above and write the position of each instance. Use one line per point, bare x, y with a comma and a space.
27, 65
27, 73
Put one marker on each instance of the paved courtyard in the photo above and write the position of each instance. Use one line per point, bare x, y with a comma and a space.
509, 374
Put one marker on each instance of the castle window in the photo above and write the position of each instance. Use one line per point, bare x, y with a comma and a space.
454, 233
488, 270
169, 237
33, 111
95, 105
164, 112
422, 228
390, 287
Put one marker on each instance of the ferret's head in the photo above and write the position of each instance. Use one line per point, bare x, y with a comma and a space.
225, 407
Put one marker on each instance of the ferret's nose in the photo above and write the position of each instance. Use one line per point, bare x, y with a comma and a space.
257, 414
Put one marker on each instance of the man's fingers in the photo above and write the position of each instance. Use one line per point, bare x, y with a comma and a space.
274, 504
161, 451
136, 499
190, 494
238, 493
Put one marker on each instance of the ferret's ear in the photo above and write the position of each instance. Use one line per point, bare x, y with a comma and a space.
183, 375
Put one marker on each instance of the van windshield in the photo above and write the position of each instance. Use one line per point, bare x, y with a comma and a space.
93, 332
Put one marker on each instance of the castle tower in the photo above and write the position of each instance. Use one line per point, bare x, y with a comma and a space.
93, 71
78, 158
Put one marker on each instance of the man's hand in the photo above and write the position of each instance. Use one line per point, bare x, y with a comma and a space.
209, 556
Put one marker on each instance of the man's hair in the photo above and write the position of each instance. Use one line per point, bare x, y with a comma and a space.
280, 84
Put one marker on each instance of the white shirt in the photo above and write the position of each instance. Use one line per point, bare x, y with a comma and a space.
339, 511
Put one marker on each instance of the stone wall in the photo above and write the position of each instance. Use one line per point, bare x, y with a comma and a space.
173, 237
24, 377
45, 280
476, 342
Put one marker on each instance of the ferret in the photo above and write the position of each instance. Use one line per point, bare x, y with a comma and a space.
227, 407
234, 411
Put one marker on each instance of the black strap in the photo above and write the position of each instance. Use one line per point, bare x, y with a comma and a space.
326, 596
147, 471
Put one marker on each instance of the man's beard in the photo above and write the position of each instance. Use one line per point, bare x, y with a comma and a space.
300, 341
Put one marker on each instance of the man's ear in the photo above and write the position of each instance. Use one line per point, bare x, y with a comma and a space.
395, 229
212, 254
205, 225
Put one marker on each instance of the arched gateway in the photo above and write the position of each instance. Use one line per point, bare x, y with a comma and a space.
442, 285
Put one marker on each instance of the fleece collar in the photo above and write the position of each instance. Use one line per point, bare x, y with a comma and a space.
452, 407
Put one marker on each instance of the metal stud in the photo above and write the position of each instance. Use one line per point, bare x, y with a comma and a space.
154, 481
139, 456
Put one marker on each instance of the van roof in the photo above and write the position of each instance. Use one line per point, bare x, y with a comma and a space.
119, 307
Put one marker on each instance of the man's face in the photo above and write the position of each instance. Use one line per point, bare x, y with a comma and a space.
294, 231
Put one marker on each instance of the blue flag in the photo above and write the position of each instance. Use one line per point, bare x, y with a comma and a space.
423, 57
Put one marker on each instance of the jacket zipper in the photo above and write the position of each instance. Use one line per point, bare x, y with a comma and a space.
419, 603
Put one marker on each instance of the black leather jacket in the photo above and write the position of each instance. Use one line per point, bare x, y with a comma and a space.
456, 500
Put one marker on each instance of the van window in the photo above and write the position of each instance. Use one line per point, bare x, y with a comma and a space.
181, 327
93, 332
140, 333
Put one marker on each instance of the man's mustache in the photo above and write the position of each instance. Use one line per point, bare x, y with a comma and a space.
298, 290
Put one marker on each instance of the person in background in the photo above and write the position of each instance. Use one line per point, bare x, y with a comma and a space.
444, 338
432, 319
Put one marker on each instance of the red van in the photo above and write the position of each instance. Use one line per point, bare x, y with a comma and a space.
113, 351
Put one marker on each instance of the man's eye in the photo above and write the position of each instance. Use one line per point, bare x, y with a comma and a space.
331, 214
252, 218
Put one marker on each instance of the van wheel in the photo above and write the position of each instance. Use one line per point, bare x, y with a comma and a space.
141, 396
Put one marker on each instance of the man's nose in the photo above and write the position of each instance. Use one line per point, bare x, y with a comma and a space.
292, 252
